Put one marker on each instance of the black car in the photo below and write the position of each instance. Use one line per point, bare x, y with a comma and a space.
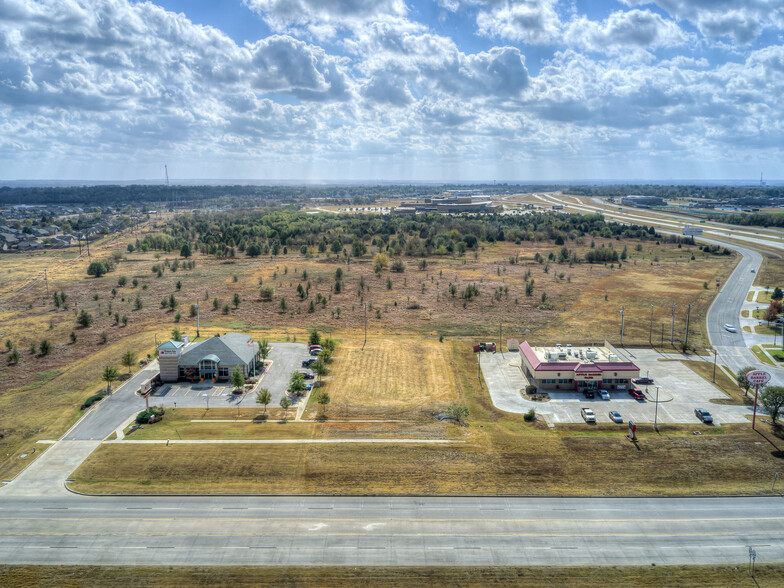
588, 393
308, 362
307, 375
703, 415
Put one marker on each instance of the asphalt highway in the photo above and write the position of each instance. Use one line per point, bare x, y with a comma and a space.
389, 531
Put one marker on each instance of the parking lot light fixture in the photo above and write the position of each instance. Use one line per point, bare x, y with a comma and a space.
656, 411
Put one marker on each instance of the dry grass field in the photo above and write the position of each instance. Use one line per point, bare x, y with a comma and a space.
496, 458
769, 576
393, 377
404, 372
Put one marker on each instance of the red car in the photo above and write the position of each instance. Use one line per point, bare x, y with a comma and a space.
307, 375
637, 394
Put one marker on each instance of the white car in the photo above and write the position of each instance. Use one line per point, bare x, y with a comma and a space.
730, 328
604, 394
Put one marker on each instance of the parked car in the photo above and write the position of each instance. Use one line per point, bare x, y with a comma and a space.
703, 415
307, 375
588, 393
306, 363
312, 347
604, 394
730, 328
637, 394
308, 387
588, 415
315, 352
643, 381
615, 416
753, 270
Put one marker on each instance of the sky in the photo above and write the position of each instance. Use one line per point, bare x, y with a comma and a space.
392, 90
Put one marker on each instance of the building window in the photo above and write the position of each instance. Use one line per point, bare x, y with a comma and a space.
182, 371
608, 381
620, 380
565, 381
223, 372
548, 381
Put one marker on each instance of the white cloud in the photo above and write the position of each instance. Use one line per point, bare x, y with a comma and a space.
741, 21
534, 22
322, 18
623, 30
109, 84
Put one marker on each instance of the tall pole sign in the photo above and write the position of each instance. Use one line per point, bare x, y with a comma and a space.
757, 378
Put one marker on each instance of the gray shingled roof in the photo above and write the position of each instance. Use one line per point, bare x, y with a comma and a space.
231, 348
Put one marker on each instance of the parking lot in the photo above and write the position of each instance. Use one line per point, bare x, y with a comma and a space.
681, 391
286, 358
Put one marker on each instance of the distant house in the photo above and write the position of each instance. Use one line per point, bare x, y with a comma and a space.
212, 359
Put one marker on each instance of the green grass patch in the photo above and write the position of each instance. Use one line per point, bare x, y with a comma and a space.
761, 355
40, 379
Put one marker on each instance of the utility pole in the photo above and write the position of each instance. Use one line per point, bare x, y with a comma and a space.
623, 308
500, 337
650, 331
364, 305
87, 239
662, 336
672, 326
197, 318
688, 313
46, 279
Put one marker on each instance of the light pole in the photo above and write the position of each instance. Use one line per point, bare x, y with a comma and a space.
623, 308
650, 331
688, 314
656, 411
672, 326
197, 318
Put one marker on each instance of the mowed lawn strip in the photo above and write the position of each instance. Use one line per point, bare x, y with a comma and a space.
496, 459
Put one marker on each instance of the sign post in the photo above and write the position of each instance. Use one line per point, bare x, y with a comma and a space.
632, 431
757, 378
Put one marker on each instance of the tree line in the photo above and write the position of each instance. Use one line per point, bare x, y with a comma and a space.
277, 230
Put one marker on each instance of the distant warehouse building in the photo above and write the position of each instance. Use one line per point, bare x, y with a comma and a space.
690, 231
212, 359
643, 201
577, 368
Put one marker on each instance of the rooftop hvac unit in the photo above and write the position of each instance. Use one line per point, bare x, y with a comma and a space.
562, 355
568, 344
612, 357
590, 354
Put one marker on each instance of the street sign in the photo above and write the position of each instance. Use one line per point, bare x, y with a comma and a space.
758, 377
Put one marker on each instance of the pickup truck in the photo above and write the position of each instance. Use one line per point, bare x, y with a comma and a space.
637, 394
588, 415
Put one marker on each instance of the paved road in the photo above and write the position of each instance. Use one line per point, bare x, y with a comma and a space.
389, 531
101, 422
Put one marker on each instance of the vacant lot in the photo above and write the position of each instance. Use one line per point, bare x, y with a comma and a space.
393, 377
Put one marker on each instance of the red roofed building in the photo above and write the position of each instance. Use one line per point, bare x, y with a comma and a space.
577, 368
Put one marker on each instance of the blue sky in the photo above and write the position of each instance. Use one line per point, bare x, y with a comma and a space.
433, 90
